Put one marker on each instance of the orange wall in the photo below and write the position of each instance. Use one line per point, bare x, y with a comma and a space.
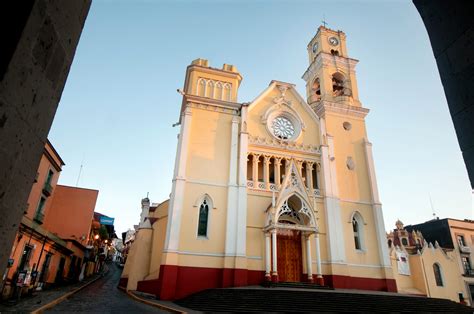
71, 212
17, 252
49, 160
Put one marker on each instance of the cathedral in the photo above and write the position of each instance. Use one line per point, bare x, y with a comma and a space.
279, 189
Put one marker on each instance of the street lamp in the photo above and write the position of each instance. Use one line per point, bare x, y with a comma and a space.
96, 236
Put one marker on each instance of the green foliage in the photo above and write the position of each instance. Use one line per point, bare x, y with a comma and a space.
103, 233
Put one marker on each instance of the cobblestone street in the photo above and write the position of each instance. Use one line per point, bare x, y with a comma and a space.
103, 297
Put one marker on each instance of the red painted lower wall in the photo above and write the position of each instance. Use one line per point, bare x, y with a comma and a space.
361, 283
148, 286
177, 282
123, 282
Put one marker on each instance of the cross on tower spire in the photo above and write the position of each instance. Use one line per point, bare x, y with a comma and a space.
324, 21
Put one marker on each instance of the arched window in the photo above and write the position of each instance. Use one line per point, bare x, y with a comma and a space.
337, 84
203, 218
356, 230
389, 243
404, 241
316, 90
227, 92
210, 89
219, 91
201, 88
437, 274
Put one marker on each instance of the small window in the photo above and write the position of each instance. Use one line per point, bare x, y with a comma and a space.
49, 177
41, 203
355, 228
347, 126
461, 240
404, 241
389, 243
437, 274
466, 264
203, 218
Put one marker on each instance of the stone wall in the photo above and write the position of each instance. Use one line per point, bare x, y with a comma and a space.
39, 40
451, 30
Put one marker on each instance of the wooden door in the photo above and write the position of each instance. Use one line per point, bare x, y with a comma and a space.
289, 256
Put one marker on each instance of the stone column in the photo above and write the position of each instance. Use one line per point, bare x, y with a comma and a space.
308, 258
268, 261
299, 165
317, 167
309, 177
274, 256
255, 170
319, 276
277, 172
266, 171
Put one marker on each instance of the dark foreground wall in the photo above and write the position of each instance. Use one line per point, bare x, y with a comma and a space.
450, 25
38, 39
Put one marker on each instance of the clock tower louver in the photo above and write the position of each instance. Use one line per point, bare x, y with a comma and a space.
281, 188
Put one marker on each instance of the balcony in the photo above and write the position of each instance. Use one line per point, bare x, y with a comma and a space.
465, 249
468, 272
39, 217
273, 187
47, 189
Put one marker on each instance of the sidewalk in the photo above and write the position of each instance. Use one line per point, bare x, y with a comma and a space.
41, 298
164, 305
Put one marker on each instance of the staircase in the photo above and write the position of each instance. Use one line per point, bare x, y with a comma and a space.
297, 285
294, 300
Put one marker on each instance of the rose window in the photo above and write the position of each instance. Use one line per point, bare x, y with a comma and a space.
283, 128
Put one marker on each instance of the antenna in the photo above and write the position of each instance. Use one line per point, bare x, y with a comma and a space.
80, 170
432, 208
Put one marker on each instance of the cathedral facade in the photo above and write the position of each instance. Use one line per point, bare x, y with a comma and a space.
282, 188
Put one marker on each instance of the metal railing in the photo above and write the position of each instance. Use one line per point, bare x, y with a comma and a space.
39, 217
47, 189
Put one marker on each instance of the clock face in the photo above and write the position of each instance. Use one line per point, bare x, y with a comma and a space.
283, 128
315, 47
333, 41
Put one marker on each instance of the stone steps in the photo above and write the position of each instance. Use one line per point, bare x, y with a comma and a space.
293, 300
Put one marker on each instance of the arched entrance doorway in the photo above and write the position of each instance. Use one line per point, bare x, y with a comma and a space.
290, 225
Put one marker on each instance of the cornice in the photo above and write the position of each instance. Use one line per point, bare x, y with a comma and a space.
322, 107
212, 104
324, 59
270, 143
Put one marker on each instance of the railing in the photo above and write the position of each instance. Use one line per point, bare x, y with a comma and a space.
39, 217
273, 187
469, 272
47, 189
464, 249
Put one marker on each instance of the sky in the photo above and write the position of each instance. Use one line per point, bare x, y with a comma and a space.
116, 112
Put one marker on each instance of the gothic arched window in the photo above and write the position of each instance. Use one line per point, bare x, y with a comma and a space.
437, 274
356, 230
203, 218
201, 88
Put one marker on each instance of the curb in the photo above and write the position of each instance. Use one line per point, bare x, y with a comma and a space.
160, 306
63, 297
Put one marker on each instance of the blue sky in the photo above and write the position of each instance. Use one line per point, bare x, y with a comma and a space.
120, 99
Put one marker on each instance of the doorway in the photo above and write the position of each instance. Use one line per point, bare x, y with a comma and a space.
289, 256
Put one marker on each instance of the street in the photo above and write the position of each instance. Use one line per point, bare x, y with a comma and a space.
104, 297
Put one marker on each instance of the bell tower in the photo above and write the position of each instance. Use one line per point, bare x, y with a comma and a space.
331, 73
349, 181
